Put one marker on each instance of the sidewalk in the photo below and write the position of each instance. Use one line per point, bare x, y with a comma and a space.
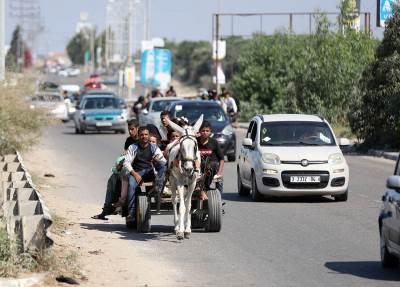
384, 154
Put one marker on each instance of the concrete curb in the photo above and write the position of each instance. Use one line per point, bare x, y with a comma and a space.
22, 282
384, 154
27, 217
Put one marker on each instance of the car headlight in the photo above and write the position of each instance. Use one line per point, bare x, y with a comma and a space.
228, 130
336, 158
271, 158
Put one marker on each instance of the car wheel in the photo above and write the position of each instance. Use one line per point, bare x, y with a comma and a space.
255, 194
387, 260
341, 197
231, 157
77, 131
241, 189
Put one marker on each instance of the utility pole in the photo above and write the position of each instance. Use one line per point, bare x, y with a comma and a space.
2, 37
92, 50
130, 31
147, 21
216, 39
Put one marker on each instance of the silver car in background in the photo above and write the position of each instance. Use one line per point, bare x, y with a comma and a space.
53, 103
151, 113
389, 221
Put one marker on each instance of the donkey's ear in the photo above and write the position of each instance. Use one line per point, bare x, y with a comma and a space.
198, 124
175, 127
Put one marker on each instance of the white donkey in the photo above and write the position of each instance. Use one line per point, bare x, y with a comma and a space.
182, 177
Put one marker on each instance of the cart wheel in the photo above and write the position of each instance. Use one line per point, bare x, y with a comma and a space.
143, 215
214, 220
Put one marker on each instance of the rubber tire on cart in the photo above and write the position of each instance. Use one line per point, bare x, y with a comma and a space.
341, 197
255, 194
143, 214
241, 189
214, 204
387, 260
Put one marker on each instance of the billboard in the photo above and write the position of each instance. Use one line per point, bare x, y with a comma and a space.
384, 11
162, 68
147, 67
156, 68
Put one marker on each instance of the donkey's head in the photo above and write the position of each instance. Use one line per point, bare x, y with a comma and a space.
187, 145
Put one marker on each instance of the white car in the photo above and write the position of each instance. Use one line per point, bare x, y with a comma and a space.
291, 155
52, 103
73, 72
151, 113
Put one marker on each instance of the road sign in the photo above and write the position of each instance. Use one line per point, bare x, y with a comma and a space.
385, 10
221, 50
130, 77
162, 68
221, 76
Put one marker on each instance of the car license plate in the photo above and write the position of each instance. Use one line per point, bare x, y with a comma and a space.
305, 179
103, 124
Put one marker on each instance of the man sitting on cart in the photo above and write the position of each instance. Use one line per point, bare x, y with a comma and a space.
212, 158
139, 162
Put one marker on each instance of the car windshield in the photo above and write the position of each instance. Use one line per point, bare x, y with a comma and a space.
193, 112
103, 103
159, 106
296, 134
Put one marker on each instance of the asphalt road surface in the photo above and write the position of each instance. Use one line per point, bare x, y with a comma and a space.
289, 242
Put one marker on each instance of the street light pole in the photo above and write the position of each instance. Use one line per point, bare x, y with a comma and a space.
2, 41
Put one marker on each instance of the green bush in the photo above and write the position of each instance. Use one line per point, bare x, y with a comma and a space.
19, 125
314, 74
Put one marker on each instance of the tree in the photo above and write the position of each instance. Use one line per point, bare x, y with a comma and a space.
377, 117
15, 50
77, 47
313, 74
100, 43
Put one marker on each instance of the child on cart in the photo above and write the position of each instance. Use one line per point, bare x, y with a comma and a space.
212, 159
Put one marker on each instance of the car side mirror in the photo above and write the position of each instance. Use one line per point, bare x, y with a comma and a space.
247, 142
344, 142
78, 107
145, 112
393, 182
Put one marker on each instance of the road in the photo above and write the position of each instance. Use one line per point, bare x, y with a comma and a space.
290, 242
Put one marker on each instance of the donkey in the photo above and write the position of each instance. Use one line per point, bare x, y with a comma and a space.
182, 177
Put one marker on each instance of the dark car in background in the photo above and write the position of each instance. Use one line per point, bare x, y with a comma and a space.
222, 129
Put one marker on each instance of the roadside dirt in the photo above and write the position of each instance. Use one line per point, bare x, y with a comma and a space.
104, 258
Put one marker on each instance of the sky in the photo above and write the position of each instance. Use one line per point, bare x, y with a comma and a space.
182, 19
